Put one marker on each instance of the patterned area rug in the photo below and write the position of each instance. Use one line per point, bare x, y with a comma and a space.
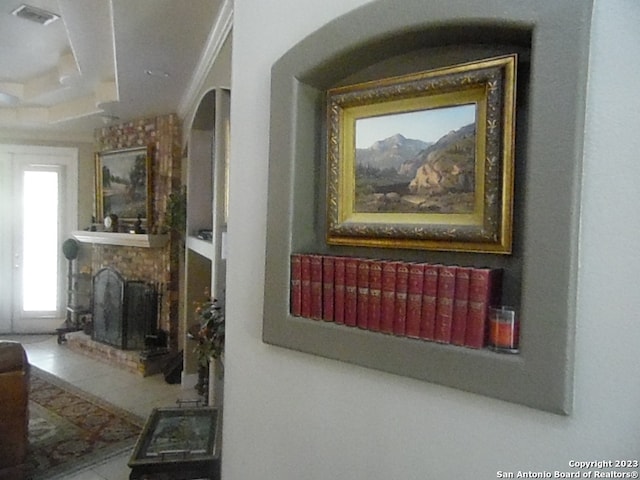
70, 430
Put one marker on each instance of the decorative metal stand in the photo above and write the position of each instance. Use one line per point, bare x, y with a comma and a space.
77, 309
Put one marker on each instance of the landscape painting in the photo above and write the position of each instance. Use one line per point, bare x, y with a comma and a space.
424, 160
417, 162
122, 184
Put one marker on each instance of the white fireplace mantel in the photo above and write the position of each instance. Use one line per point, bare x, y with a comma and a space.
122, 239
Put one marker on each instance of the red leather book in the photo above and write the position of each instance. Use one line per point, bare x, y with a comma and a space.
305, 266
460, 306
388, 300
414, 299
338, 289
328, 283
402, 287
351, 292
444, 303
429, 304
362, 313
485, 290
296, 285
316, 287
375, 295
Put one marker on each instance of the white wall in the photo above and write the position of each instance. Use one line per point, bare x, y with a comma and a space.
291, 416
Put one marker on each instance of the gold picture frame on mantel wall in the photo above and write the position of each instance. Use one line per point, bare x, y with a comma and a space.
124, 185
424, 161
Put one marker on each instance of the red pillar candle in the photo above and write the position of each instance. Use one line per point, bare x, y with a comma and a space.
504, 329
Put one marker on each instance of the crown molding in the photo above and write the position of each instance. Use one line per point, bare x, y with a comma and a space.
37, 136
218, 35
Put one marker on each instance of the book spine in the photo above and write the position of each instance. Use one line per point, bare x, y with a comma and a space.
316, 287
402, 287
328, 283
338, 289
296, 285
444, 303
460, 306
485, 290
388, 301
414, 299
362, 313
351, 292
375, 295
429, 302
305, 305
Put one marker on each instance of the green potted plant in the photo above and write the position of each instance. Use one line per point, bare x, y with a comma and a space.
210, 336
176, 214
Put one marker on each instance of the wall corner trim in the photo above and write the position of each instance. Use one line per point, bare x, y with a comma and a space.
218, 35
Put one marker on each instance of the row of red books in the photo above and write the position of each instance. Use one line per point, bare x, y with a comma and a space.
434, 302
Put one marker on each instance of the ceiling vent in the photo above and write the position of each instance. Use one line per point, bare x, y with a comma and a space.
38, 15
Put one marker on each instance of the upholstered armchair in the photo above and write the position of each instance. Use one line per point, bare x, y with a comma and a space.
14, 413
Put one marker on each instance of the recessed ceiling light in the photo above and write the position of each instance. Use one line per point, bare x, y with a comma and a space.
34, 14
157, 73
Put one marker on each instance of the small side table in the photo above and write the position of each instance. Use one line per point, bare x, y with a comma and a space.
179, 444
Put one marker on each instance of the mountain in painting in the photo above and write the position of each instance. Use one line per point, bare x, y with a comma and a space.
391, 152
406, 175
448, 164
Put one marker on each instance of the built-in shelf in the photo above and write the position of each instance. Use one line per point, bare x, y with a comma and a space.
122, 239
206, 179
202, 247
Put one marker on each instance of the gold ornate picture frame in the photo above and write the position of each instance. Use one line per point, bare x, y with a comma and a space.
124, 183
424, 161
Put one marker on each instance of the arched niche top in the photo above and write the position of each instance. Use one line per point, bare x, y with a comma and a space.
379, 48
378, 40
204, 118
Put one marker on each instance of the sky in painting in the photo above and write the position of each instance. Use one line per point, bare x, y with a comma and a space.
425, 125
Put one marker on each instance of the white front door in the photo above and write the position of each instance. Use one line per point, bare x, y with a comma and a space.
42, 207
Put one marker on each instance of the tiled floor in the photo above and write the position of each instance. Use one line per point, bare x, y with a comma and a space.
126, 390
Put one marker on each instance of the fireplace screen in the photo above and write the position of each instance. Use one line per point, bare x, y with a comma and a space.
124, 312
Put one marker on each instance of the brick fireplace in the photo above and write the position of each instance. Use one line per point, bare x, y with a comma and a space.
148, 265
125, 313
151, 264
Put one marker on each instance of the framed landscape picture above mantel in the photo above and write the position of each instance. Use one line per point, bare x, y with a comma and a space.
425, 160
124, 184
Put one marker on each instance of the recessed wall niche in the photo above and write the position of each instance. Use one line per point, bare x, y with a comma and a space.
551, 40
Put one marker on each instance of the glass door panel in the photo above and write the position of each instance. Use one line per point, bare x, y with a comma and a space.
40, 260
38, 205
